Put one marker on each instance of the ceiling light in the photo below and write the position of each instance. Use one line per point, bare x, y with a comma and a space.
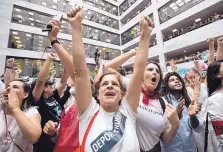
40, 44
175, 8
30, 13
89, 12
63, 21
85, 17
18, 10
186, 1
62, 26
107, 40
103, 17
178, 1
185, 51
198, 20
55, 1
16, 33
19, 16
181, 4
85, 9
19, 45
32, 24
16, 37
43, 3
53, 6
40, 41
174, 30
18, 41
69, 46
172, 5
37, 20
31, 19
20, 21
114, 8
96, 31
28, 35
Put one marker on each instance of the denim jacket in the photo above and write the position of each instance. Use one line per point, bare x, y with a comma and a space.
183, 141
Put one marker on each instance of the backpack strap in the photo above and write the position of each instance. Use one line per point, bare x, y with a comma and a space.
206, 134
162, 103
87, 131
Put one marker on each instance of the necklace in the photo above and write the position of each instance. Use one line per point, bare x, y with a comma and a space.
5, 146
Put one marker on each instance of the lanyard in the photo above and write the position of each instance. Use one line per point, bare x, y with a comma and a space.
6, 127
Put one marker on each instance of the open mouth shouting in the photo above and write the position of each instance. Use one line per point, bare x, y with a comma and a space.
110, 94
153, 80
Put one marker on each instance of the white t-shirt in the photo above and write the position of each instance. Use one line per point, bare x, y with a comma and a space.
15, 132
150, 122
215, 110
213, 144
104, 122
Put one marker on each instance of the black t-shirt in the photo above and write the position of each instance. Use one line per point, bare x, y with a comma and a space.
49, 109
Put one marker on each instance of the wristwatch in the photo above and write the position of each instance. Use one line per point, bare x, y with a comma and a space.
55, 41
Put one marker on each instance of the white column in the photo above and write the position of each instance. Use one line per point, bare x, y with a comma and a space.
159, 36
5, 17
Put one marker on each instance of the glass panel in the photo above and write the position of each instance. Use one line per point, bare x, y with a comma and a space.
175, 7
33, 42
37, 19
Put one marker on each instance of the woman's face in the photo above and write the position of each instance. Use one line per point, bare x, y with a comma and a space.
16, 86
151, 77
110, 91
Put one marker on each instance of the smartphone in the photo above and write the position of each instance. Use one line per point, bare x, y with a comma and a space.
48, 27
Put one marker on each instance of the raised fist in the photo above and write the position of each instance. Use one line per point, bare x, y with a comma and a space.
220, 40
145, 25
52, 56
210, 41
75, 17
55, 29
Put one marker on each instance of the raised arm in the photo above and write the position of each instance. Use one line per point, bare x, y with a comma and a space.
63, 82
64, 56
220, 49
41, 79
173, 65
118, 61
9, 74
134, 88
100, 71
210, 42
83, 96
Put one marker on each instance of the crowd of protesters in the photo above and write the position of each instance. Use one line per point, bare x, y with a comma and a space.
149, 112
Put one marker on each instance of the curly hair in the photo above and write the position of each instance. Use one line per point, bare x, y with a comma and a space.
165, 89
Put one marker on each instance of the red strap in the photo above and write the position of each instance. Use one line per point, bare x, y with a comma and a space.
87, 131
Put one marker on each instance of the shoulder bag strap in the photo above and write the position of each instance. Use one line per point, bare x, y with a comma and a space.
87, 131
206, 134
162, 103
